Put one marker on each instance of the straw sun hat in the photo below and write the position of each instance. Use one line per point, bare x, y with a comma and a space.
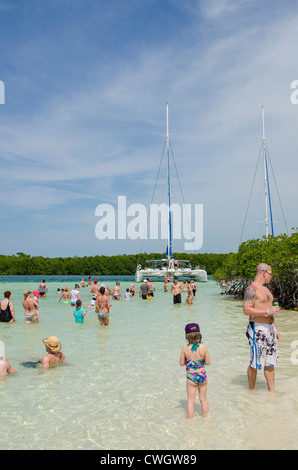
52, 343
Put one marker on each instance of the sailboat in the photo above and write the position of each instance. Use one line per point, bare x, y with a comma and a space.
269, 225
168, 266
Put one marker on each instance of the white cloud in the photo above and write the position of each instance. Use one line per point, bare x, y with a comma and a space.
103, 134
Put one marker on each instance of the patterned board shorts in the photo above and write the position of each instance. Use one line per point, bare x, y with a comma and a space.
263, 345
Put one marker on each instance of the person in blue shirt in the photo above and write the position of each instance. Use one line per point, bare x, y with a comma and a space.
79, 312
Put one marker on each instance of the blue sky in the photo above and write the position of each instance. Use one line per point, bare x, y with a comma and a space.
86, 87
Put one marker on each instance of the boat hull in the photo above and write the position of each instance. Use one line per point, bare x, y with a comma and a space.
199, 275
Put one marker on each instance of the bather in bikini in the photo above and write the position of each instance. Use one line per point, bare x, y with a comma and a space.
103, 314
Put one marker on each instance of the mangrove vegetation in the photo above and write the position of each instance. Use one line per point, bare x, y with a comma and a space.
280, 252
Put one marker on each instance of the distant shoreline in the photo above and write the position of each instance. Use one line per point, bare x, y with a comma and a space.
22, 264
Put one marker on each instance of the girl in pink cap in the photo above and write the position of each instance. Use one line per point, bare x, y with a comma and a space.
36, 296
195, 356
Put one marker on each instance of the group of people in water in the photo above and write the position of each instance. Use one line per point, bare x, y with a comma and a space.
30, 304
261, 332
101, 301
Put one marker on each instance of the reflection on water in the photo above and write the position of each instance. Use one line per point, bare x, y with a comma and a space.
123, 388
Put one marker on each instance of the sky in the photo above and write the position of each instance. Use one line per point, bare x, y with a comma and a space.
85, 85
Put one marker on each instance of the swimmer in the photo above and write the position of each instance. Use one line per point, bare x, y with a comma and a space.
151, 288
127, 294
184, 286
116, 291
94, 290
75, 295
189, 298
79, 312
31, 308
65, 295
132, 290
54, 355
5, 367
36, 296
194, 287
103, 307
176, 290
144, 290
43, 288
195, 357
7, 314
165, 285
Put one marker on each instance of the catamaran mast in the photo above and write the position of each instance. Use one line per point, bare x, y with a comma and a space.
169, 250
268, 209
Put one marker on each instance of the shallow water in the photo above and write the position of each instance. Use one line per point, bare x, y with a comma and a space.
123, 387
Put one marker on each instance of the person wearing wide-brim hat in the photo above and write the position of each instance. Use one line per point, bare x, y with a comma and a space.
54, 354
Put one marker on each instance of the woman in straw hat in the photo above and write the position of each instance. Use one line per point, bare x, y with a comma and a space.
54, 355
31, 308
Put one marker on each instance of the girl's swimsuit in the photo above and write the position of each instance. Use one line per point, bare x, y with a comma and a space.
199, 376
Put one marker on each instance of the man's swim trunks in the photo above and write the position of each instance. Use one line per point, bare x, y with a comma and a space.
177, 299
263, 345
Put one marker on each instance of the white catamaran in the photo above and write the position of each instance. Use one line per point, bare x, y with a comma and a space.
169, 267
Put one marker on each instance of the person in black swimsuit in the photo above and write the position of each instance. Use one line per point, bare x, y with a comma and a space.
7, 314
43, 288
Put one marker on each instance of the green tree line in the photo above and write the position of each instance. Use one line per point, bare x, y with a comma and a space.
23, 264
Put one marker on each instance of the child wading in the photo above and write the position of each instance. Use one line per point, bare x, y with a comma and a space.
195, 356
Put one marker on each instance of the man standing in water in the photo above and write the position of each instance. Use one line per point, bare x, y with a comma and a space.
261, 331
176, 290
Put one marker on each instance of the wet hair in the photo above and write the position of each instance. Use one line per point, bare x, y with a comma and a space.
7, 294
102, 290
78, 303
193, 338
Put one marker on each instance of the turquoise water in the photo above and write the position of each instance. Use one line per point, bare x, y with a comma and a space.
123, 387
